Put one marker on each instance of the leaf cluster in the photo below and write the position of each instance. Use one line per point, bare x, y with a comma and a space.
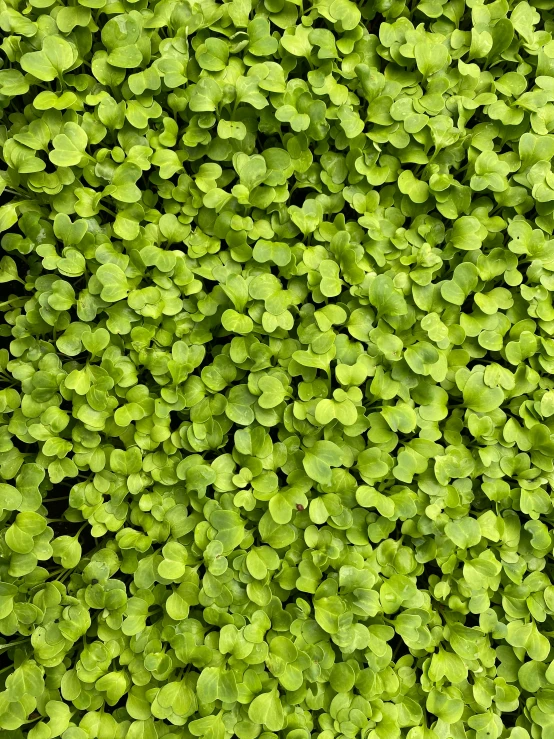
276, 375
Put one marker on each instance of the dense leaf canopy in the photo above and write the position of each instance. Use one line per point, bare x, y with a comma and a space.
277, 369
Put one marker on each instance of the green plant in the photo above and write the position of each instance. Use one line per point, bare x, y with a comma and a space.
277, 401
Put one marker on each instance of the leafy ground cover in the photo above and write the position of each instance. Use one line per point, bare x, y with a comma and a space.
277, 376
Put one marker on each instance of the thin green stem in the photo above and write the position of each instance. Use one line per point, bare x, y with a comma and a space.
14, 643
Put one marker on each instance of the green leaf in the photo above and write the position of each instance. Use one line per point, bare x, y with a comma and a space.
56, 56
267, 709
69, 146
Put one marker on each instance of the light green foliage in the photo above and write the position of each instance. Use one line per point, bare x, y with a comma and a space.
276, 369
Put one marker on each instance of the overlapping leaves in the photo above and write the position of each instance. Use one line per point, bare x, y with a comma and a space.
277, 408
